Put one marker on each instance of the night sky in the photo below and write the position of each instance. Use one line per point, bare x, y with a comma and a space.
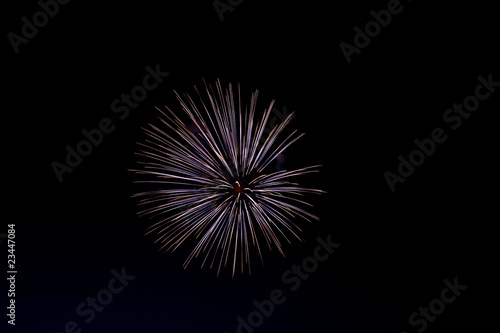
364, 108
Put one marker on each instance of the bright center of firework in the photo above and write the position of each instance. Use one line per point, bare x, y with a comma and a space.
238, 189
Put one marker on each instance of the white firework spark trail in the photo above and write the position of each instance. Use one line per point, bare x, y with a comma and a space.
212, 184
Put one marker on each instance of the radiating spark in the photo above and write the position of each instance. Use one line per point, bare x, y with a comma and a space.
211, 182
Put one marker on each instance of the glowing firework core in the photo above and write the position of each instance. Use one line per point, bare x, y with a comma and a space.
239, 188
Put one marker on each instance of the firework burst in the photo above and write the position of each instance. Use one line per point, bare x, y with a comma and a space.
211, 182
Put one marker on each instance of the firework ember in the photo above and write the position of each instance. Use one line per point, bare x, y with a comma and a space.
211, 181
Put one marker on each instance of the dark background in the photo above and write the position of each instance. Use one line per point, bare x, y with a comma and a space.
397, 248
